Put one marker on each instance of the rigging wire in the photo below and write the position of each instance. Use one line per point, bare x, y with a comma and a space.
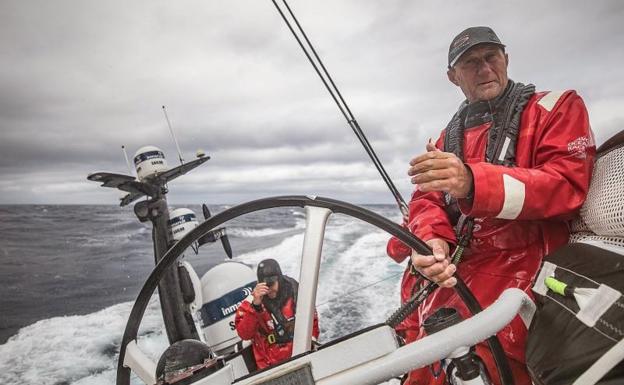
340, 102
359, 289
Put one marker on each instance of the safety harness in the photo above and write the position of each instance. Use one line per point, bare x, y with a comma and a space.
283, 327
504, 112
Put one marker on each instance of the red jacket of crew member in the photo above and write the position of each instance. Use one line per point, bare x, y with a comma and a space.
521, 214
269, 323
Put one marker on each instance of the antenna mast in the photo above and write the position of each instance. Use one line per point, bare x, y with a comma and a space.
173, 135
123, 148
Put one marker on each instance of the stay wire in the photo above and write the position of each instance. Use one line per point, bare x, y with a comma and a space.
305, 51
351, 117
359, 289
351, 120
338, 99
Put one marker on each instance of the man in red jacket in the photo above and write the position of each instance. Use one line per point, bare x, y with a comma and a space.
511, 169
267, 316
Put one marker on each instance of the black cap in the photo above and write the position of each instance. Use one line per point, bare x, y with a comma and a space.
269, 271
468, 38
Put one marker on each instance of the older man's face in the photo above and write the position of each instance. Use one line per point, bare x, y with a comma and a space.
481, 72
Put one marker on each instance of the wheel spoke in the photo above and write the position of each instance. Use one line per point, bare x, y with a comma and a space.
316, 220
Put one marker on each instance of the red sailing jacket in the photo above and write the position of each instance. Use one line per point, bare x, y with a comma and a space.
521, 214
258, 325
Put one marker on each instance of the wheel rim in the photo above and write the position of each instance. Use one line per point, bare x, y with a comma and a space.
335, 206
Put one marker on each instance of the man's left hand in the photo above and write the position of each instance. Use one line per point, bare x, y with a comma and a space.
440, 171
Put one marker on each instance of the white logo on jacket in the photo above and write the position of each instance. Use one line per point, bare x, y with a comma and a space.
578, 147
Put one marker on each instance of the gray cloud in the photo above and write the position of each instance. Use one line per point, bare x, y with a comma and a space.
79, 79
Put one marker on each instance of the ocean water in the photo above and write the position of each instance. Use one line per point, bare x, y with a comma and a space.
70, 274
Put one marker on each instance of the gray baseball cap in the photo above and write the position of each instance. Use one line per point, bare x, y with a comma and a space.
467, 39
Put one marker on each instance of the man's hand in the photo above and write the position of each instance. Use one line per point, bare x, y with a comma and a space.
437, 267
259, 292
440, 171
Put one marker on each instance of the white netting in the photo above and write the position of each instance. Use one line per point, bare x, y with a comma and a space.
593, 238
603, 211
579, 226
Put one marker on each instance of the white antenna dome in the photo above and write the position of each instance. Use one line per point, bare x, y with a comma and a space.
149, 161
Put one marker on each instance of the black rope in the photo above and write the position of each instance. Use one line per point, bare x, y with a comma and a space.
341, 103
410, 305
351, 119
319, 60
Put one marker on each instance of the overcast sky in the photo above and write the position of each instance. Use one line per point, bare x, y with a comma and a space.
80, 78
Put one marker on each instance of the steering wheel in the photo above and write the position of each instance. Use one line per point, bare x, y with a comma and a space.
314, 223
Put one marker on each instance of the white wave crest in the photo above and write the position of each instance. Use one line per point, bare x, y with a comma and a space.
362, 276
76, 349
245, 232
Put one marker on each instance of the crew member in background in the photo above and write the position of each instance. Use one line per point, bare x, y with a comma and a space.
267, 316
514, 166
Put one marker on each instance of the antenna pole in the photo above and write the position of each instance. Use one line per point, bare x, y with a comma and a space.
173, 135
123, 148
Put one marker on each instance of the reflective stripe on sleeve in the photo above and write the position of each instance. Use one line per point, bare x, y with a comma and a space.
514, 191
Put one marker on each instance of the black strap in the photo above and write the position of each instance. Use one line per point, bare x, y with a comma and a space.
504, 112
507, 124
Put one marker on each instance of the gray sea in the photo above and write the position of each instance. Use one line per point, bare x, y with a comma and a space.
70, 274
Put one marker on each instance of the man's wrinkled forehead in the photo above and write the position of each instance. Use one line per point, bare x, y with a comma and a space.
480, 50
